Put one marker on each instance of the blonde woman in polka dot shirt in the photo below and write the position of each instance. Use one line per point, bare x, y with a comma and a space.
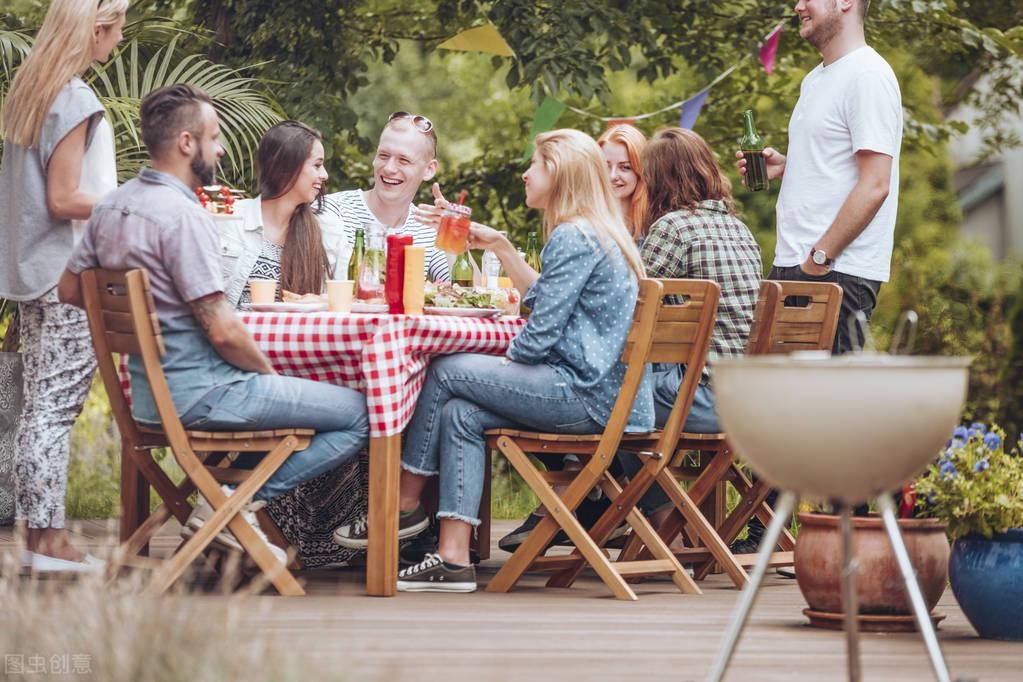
561, 373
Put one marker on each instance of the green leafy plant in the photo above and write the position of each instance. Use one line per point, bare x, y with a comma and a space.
976, 485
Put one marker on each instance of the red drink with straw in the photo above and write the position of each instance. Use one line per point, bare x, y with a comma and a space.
454, 227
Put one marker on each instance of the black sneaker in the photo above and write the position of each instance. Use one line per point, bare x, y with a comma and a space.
356, 534
746, 546
512, 540
416, 549
433, 574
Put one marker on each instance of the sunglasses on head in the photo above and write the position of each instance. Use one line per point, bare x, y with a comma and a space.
420, 123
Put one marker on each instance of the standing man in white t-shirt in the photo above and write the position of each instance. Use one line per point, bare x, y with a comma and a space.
406, 157
840, 180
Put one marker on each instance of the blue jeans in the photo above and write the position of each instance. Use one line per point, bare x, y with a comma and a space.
277, 402
466, 394
702, 418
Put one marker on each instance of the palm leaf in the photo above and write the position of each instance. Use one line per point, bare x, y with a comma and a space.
151, 59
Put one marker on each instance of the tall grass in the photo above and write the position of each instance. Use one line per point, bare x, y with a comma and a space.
114, 632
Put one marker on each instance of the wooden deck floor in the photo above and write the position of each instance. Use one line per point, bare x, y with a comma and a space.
581, 634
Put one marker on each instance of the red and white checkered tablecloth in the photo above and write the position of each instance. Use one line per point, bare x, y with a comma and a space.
383, 356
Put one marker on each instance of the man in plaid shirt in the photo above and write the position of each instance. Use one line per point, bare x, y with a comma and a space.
694, 234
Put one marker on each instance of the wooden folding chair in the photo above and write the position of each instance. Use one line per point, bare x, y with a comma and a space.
122, 319
790, 316
653, 336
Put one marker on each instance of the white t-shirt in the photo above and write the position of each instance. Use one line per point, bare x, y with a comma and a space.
99, 169
851, 105
351, 207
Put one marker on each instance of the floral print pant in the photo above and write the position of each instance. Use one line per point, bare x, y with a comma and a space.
59, 363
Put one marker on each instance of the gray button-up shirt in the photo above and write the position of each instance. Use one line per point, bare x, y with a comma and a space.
155, 222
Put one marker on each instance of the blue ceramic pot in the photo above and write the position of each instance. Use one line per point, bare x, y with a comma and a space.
987, 579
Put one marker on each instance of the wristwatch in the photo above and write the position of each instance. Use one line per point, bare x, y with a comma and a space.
821, 258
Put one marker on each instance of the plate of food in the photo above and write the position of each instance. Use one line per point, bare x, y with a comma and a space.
462, 312
285, 307
292, 303
452, 299
370, 308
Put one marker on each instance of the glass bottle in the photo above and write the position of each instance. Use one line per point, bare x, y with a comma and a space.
358, 251
491, 270
752, 147
533, 251
370, 284
462, 271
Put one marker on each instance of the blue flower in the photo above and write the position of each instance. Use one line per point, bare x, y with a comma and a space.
960, 434
931, 497
981, 465
992, 441
948, 470
977, 426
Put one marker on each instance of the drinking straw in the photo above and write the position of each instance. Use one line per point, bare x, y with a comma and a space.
461, 198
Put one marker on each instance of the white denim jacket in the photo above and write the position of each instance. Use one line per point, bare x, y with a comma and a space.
241, 240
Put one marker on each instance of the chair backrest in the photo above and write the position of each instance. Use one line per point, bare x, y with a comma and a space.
634, 356
122, 319
682, 335
795, 316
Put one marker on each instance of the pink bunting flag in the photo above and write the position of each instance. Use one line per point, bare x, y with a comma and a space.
769, 48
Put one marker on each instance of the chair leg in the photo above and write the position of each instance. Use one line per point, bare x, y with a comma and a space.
613, 517
557, 512
226, 513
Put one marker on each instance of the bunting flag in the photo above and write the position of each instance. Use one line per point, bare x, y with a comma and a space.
691, 109
769, 48
543, 120
479, 39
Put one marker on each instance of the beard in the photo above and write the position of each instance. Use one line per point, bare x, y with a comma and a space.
825, 28
206, 172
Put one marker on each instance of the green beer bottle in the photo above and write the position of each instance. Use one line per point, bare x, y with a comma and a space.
358, 251
461, 270
752, 147
533, 251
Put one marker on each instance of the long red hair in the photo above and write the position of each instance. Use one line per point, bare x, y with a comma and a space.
634, 142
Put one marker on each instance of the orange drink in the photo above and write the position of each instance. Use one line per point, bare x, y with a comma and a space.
454, 228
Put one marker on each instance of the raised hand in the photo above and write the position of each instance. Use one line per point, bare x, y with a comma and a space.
484, 237
428, 215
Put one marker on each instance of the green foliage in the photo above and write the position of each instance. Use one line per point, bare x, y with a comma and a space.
976, 485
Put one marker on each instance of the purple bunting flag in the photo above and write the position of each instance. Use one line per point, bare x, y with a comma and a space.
691, 109
769, 49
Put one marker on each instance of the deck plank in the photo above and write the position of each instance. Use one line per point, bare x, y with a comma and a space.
582, 633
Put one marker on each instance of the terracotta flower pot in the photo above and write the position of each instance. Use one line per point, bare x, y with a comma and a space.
880, 590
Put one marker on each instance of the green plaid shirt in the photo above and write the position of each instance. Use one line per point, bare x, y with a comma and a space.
710, 243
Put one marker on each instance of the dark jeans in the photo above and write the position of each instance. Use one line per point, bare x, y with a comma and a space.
858, 294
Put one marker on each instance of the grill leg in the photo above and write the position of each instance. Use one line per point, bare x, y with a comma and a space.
782, 516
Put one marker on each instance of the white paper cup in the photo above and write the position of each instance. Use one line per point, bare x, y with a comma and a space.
262, 290
339, 295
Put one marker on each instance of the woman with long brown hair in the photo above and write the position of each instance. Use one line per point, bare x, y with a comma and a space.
279, 237
623, 148
693, 232
58, 162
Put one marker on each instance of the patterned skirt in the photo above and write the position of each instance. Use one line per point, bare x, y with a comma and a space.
309, 514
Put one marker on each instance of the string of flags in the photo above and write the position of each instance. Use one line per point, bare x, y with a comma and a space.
487, 39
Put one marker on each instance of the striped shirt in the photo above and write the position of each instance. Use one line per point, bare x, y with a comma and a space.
350, 206
710, 243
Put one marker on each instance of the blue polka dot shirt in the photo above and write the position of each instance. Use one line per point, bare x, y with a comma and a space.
582, 307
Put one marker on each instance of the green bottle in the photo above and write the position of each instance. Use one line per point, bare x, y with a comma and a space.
752, 147
461, 270
358, 251
533, 251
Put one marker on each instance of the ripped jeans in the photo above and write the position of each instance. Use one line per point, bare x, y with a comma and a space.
465, 395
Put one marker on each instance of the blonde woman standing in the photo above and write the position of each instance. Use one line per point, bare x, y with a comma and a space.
561, 373
58, 161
